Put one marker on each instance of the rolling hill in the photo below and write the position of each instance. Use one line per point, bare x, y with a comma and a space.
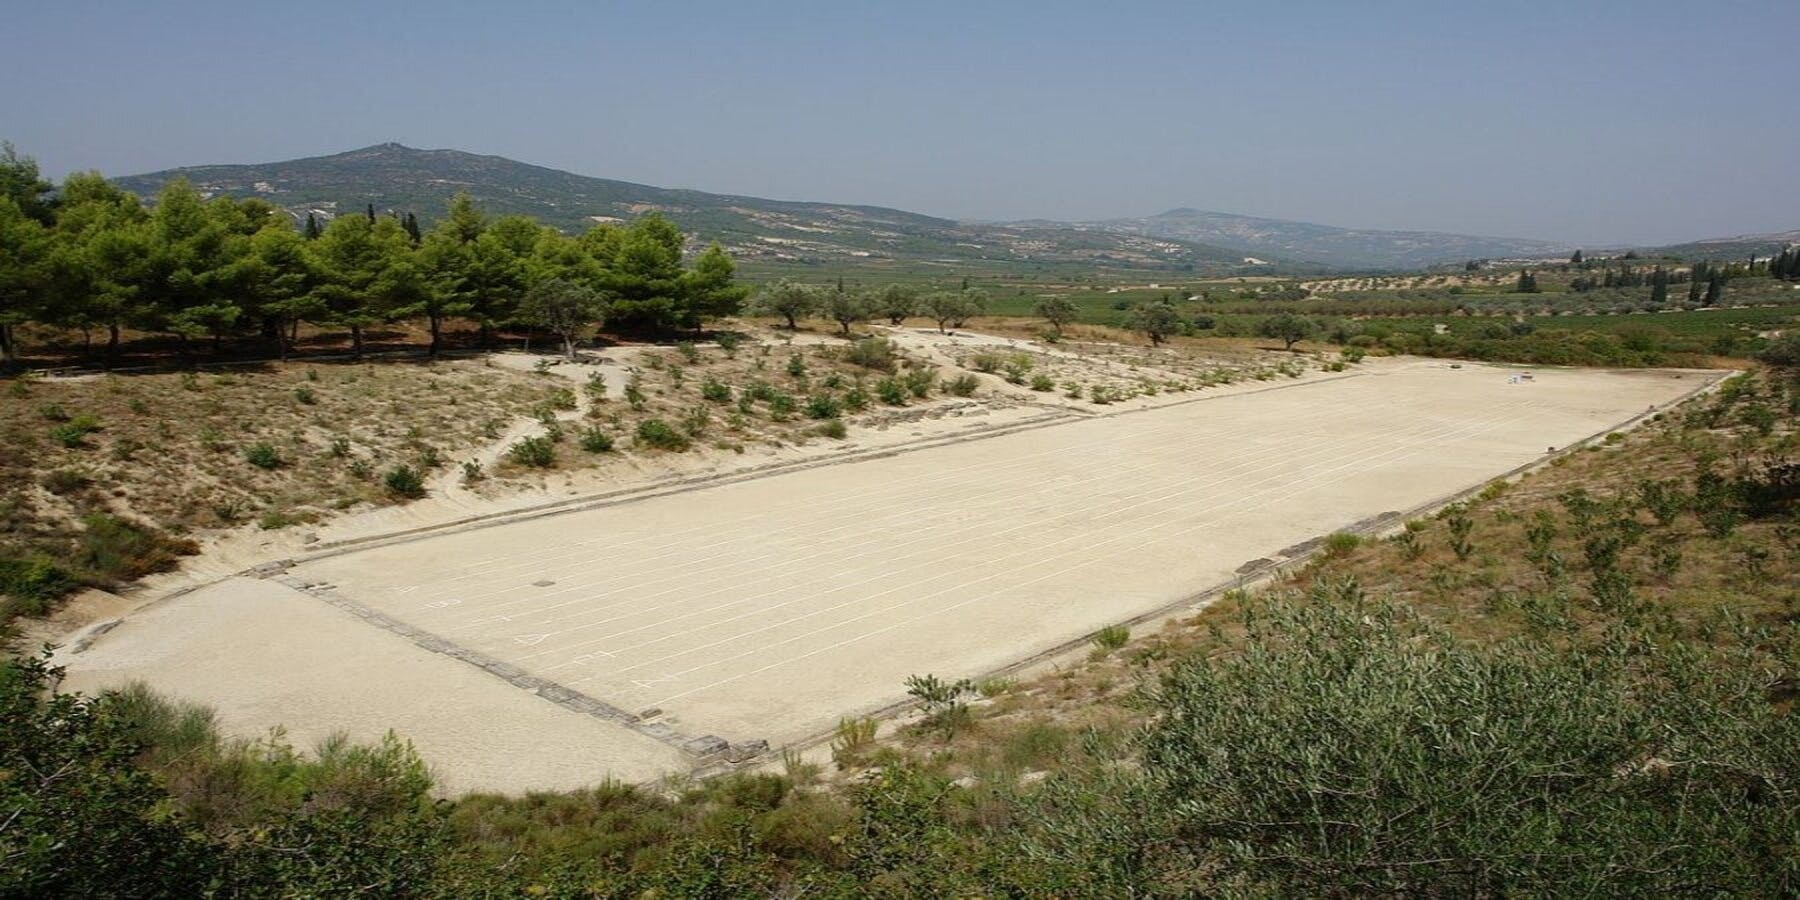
1736, 248
782, 235
779, 233
1326, 245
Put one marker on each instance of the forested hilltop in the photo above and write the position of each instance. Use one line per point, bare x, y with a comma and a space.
89, 256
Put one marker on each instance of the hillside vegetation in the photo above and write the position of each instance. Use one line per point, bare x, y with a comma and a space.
1578, 683
794, 234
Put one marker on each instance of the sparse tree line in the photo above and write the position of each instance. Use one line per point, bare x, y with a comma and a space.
89, 256
792, 301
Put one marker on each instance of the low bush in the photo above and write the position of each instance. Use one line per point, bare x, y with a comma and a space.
537, 452
919, 382
823, 406
262, 456
1342, 543
713, 390
114, 549
891, 392
661, 435
404, 481
64, 481
835, 429
872, 353
73, 433
594, 440
1111, 638
963, 385
32, 583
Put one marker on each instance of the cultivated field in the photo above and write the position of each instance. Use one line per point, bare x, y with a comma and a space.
770, 607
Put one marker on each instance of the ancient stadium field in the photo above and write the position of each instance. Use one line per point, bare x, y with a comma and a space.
770, 607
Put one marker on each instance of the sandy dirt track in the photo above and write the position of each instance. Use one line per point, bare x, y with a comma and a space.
771, 607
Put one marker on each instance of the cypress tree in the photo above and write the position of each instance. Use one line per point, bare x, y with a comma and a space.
411, 224
312, 229
371, 214
1715, 289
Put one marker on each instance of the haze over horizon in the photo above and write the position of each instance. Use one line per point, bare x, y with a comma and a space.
1589, 123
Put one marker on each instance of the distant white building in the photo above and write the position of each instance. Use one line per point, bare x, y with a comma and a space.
1253, 261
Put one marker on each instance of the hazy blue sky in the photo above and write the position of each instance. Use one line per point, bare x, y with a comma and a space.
1589, 122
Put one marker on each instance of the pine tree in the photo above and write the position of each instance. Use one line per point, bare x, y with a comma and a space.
312, 230
411, 224
1575, 258
371, 214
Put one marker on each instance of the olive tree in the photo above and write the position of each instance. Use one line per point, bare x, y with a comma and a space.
847, 308
1058, 311
1289, 328
950, 309
895, 303
789, 300
1156, 320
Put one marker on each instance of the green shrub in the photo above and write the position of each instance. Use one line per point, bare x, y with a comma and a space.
891, 392
1319, 791
660, 435
688, 351
963, 385
872, 353
404, 481
262, 456
33, 583
74, 432
593, 440
276, 519
305, 396
835, 429
114, 548
919, 382
538, 452
782, 405
53, 412
1111, 638
1342, 543
1015, 368
823, 406
796, 366
729, 342
856, 399
715, 391
1041, 383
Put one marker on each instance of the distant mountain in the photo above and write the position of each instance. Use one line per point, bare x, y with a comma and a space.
1347, 248
1741, 247
401, 179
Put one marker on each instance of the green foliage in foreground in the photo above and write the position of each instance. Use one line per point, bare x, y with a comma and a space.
1346, 747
